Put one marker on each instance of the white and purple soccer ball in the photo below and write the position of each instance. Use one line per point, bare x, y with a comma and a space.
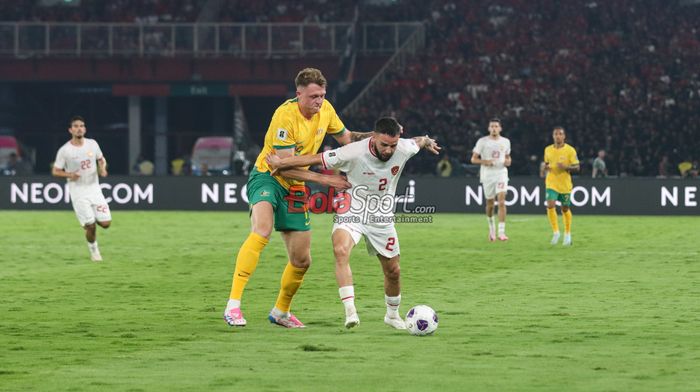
421, 320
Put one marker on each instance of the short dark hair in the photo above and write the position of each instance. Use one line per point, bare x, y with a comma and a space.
388, 126
74, 119
496, 120
558, 127
310, 75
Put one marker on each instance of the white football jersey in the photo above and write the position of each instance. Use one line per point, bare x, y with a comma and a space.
495, 150
373, 181
82, 159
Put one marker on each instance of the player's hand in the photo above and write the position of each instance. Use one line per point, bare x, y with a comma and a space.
561, 166
487, 162
337, 181
431, 145
275, 163
102, 172
74, 176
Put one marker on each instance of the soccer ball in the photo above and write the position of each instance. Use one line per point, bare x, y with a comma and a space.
421, 320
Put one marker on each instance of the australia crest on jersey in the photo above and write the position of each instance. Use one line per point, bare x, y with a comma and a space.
394, 170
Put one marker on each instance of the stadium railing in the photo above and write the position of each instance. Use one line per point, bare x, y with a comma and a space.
42, 39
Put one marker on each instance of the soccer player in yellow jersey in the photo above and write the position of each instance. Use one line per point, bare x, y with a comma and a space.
298, 127
560, 161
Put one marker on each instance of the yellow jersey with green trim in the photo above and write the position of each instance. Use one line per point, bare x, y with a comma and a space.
558, 179
290, 129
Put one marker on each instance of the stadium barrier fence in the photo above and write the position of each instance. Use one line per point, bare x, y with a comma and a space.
415, 194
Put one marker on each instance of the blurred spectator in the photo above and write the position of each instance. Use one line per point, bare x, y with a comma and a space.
599, 167
664, 167
176, 166
204, 170
694, 170
444, 166
143, 167
685, 167
17, 167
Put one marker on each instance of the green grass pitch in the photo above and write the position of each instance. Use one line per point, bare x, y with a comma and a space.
618, 311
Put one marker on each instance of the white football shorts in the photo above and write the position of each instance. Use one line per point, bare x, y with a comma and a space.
379, 240
91, 207
494, 185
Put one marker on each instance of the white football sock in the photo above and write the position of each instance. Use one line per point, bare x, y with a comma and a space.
278, 313
347, 296
492, 223
501, 228
392, 305
232, 304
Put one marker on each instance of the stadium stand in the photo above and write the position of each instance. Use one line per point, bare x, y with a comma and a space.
616, 74
619, 75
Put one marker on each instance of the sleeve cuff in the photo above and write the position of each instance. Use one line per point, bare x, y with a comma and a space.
283, 147
339, 132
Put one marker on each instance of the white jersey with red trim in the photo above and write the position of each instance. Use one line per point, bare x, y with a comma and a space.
373, 180
496, 151
82, 159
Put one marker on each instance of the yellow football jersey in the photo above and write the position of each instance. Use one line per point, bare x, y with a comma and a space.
558, 179
290, 129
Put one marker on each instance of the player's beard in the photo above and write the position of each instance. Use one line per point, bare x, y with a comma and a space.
379, 155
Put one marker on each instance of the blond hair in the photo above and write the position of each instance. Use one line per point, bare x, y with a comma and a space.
309, 75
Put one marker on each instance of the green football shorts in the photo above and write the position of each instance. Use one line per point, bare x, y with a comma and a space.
290, 209
563, 198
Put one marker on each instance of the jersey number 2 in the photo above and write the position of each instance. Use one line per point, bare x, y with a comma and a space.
390, 242
382, 183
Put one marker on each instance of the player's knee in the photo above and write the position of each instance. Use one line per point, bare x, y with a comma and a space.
393, 272
263, 230
105, 224
341, 251
301, 261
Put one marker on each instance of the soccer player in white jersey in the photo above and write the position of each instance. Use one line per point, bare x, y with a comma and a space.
492, 152
373, 168
80, 161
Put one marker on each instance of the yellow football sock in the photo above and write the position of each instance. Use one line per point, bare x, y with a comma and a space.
246, 262
291, 281
566, 217
553, 221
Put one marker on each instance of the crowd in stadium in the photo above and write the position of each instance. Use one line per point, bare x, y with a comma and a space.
131, 11
619, 77
154, 11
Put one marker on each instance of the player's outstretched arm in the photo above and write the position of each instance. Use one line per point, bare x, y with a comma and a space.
350, 136
288, 166
427, 143
332, 180
277, 162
